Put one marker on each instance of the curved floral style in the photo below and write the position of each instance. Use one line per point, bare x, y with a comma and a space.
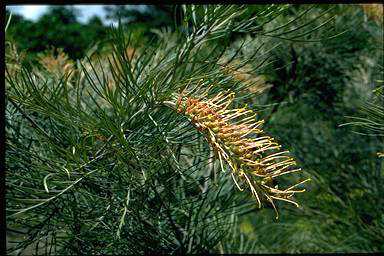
255, 161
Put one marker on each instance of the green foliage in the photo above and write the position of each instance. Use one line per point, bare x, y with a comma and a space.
317, 85
97, 163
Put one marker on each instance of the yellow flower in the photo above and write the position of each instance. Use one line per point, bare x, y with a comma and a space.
255, 161
57, 65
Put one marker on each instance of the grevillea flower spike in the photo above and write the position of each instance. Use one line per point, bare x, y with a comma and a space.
255, 161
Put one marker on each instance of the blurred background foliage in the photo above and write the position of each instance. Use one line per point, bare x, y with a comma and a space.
304, 88
65, 31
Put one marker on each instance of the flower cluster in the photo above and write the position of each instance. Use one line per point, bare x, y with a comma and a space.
255, 161
57, 65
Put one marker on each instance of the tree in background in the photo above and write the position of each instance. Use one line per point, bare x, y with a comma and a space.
145, 21
151, 16
64, 32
